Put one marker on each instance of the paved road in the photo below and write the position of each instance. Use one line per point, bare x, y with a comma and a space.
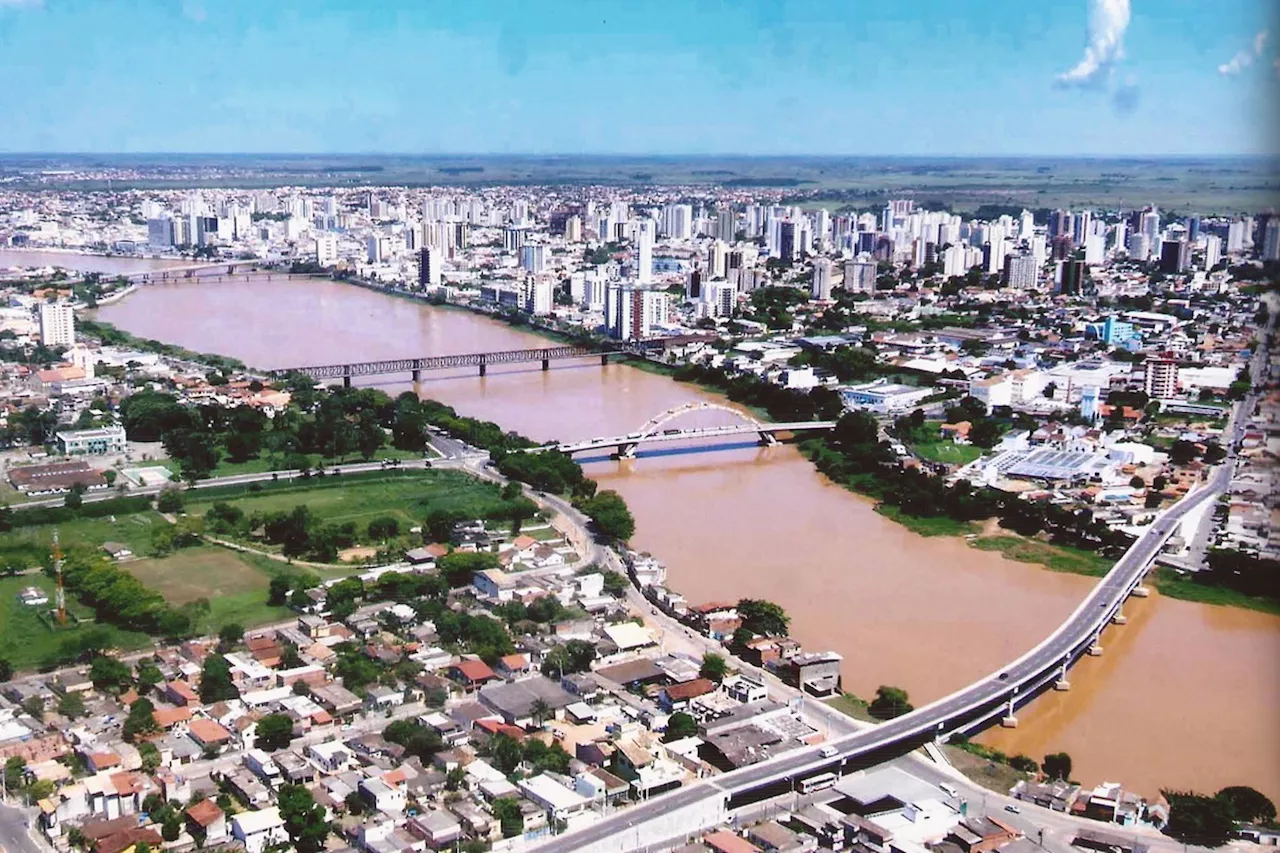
1065, 644
14, 835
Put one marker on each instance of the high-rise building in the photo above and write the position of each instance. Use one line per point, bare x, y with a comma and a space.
573, 229
326, 249
1095, 249
1235, 237
1271, 239
1061, 224
513, 239
539, 295
644, 252
1212, 251
726, 224
860, 275
376, 248
1089, 403
533, 257
821, 288
787, 242
1020, 271
57, 324
1139, 246
428, 267
677, 221
1175, 256
717, 258
1026, 225
1160, 378
693, 285
160, 232
1080, 227
1074, 273
631, 312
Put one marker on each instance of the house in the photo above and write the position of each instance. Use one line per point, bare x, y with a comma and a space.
388, 799
514, 666
471, 674
957, 432
208, 734
259, 830
336, 699
745, 689
773, 837
516, 701
436, 827
330, 756
205, 821
559, 802
676, 697
181, 694
493, 584
117, 550
384, 698
817, 673
979, 834
723, 841
420, 558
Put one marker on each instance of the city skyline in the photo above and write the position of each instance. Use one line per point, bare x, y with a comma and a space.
1087, 78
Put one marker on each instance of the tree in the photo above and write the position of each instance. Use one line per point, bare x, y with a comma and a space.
150, 755
215, 680
141, 720
1136, 482
1057, 765
609, 512
510, 818
278, 590
1197, 819
985, 432
171, 828
383, 527
573, 656
108, 673
230, 635
15, 770
714, 667
149, 676
1025, 763
71, 705
505, 753
763, 617
303, 818
890, 702
6, 669
1247, 804
354, 803
274, 732
680, 725
540, 711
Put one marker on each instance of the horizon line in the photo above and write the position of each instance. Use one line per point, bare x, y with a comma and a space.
621, 154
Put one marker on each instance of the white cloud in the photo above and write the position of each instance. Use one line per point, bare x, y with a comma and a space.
1244, 58
1108, 20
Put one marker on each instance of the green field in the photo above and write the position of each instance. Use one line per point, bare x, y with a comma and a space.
947, 451
851, 706
28, 547
1173, 585
28, 636
937, 526
409, 497
1059, 558
264, 463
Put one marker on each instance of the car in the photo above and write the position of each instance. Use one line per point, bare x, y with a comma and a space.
1004, 676
828, 751
1011, 808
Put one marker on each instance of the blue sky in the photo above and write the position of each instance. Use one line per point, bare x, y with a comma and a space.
954, 77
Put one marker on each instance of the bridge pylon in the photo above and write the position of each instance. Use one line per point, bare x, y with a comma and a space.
626, 451
1009, 720
1062, 684
767, 439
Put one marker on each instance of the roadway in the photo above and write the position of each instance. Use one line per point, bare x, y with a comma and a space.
1015, 682
683, 435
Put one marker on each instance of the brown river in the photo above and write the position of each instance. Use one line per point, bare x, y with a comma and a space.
1185, 696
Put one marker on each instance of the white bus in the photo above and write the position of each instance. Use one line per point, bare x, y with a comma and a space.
817, 783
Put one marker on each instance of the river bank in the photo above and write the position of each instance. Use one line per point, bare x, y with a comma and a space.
928, 614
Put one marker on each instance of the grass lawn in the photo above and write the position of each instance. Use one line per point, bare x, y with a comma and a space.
409, 497
947, 451
939, 526
27, 640
30, 546
1173, 585
1059, 558
991, 775
851, 706
202, 572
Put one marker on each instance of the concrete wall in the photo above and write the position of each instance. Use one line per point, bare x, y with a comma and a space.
671, 825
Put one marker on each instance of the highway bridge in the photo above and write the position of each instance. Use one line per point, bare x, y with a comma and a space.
654, 431
415, 366
994, 697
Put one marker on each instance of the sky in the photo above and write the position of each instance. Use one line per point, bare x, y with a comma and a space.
770, 77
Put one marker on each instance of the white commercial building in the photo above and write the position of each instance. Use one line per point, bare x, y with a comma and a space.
632, 312
822, 279
57, 324
883, 396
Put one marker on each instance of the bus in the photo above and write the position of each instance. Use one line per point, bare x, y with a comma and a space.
816, 783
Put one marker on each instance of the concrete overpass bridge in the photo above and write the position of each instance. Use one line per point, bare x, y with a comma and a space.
192, 270
995, 697
654, 431
482, 360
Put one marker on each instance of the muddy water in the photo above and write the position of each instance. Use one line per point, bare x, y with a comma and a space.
108, 265
1185, 695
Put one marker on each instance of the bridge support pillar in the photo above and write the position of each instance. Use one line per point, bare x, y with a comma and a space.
546, 364
1140, 592
417, 376
1095, 648
768, 439
1119, 618
1062, 684
604, 359
626, 451
346, 381
1009, 721
482, 368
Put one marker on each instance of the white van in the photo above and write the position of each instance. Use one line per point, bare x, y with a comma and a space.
949, 789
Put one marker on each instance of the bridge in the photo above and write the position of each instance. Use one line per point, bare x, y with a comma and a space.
415, 366
192, 270
994, 697
653, 431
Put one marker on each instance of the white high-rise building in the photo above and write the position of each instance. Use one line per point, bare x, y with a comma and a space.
326, 249
1026, 225
533, 257
1095, 249
677, 221
376, 248
1235, 237
717, 253
726, 224
860, 275
821, 288
540, 295
644, 252
573, 229
1271, 240
631, 312
429, 267
160, 232
1160, 378
953, 261
57, 324
1212, 251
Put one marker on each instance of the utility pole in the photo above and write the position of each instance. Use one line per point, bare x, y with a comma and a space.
61, 595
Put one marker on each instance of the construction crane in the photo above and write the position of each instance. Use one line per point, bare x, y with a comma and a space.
61, 597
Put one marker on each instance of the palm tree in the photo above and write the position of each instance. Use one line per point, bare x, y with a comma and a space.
540, 711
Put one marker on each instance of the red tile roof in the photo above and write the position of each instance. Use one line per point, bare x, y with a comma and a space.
474, 670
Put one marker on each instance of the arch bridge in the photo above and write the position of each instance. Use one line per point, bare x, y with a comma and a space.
655, 430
